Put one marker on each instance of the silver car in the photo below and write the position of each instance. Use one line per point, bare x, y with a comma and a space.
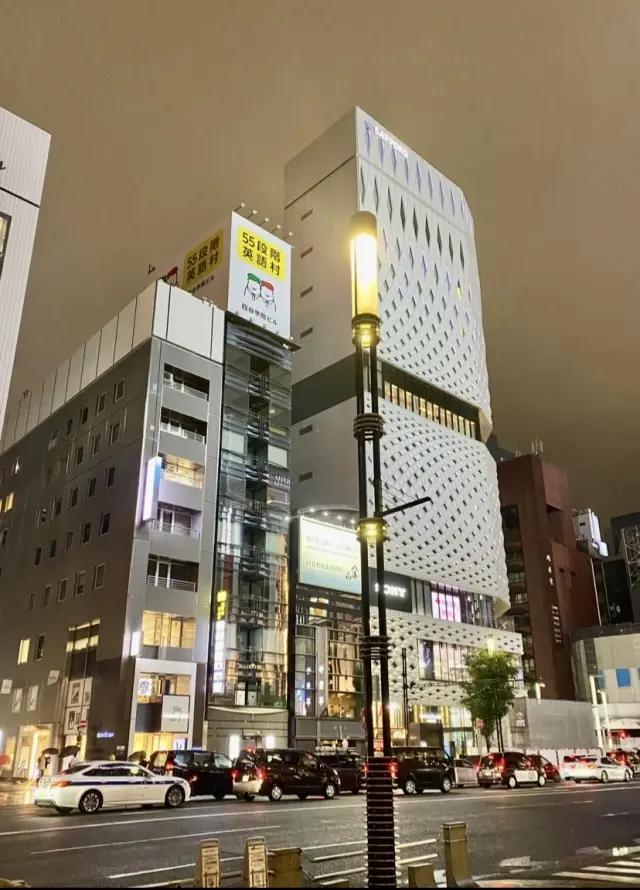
466, 773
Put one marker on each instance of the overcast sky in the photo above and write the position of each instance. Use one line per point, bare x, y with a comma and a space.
165, 115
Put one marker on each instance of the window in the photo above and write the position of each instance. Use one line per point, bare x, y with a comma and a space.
23, 650
73, 497
95, 444
80, 582
62, 589
46, 596
79, 457
5, 223
15, 467
4, 534
84, 415
39, 651
57, 507
114, 432
91, 487
32, 698
105, 523
53, 441
69, 428
37, 556
164, 629
109, 477
31, 602
600, 681
16, 700
53, 546
8, 503
101, 403
86, 533
98, 576
623, 677
118, 390
68, 540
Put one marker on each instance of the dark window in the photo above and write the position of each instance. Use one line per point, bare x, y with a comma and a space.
57, 507
48, 475
91, 487
46, 596
95, 444
73, 497
109, 477
53, 546
43, 512
79, 457
101, 402
69, 428
105, 523
39, 650
68, 540
306, 332
5, 224
118, 390
3, 536
304, 476
114, 432
98, 576
86, 532
31, 601
62, 589
37, 556
80, 581
84, 415
305, 429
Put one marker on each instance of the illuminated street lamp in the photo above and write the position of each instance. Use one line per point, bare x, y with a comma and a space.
372, 531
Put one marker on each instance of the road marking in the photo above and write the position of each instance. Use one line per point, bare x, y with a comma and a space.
586, 876
339, 844
222, 815
552, 803
515, 862
147, 840
614, 869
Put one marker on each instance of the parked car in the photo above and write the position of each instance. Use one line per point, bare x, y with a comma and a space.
466, 772
281, 771
350, 769
207, 772
551, 771
601, 769
628, 758
89, 787
569, 764
511, 769
417, 769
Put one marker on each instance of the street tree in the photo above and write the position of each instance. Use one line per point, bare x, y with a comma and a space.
488, 691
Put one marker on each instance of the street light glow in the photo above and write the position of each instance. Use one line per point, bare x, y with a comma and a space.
363, 236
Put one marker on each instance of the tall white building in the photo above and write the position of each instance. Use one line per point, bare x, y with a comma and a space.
24, 150
435, 403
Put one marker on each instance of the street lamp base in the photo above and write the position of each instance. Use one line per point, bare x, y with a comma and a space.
380, 824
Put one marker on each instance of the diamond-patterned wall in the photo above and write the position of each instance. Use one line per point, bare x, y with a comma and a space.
406, 630
430, 299
457, 539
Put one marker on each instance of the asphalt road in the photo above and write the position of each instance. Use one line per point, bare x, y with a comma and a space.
508, 831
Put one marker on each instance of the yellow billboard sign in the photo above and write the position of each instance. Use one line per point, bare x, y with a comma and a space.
201, 263
262, 254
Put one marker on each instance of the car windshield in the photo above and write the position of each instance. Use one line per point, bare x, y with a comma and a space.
489, 761
76, 768
609, 761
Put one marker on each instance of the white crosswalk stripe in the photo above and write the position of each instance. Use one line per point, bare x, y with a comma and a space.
618, 871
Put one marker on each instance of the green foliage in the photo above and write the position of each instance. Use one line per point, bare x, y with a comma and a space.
488, 692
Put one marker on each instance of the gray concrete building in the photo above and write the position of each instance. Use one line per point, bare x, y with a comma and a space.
109, 500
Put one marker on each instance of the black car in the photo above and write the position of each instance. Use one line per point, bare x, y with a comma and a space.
512, 768
350, 769
208, 772
417, 769
281, 771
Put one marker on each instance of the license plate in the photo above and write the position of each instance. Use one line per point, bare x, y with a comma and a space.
245, 778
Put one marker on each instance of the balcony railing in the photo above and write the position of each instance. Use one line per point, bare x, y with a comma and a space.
184, 477
170, 529
181, 431
174, 583
183, 387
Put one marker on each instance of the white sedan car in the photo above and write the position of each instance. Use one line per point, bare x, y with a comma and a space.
108, 783
600, 769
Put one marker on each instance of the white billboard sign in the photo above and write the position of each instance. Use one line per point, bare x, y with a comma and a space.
175, 713
329, 556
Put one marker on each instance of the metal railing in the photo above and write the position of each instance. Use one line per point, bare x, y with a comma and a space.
174, 583
181, 431
170, 529
183, 387
184, 477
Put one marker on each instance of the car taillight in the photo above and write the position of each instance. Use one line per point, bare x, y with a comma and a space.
500, 767
394, 770
193, 779
260, 774
234, 774
61, 784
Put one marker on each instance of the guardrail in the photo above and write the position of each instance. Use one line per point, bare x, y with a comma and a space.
183, 387
182, 432
174, 583
169, 529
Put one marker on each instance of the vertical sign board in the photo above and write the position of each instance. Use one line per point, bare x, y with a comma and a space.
259, 277
254, 869
208, 864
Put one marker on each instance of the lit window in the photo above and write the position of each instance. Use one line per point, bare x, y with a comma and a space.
23, 650
15, 467
8, 503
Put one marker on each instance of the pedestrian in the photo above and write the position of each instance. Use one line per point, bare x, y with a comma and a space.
73, 760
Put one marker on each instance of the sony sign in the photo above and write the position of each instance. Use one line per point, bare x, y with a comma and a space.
389, 139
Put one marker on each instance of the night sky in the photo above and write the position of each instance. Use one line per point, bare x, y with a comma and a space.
166, 115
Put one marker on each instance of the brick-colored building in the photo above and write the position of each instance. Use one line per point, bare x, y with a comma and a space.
551, 583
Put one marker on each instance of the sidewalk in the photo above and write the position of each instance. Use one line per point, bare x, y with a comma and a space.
15, 794
621, 866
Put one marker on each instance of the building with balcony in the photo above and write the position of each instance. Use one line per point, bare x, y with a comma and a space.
24, 151
115, 546
446, 555
552, 586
